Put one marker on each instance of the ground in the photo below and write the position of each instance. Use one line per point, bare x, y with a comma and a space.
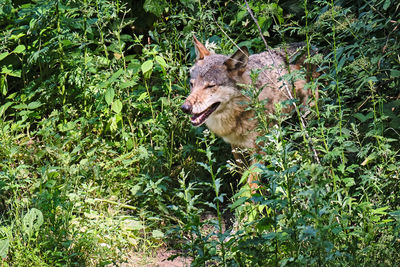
137, 259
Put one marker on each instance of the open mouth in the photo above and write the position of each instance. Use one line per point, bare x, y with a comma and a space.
199, 118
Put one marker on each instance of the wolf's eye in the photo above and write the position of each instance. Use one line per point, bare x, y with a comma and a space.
209, 86
191, 84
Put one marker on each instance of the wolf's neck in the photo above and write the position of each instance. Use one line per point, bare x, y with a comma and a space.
234, 123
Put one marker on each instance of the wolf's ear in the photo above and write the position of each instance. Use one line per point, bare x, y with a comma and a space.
201, 50
238, 60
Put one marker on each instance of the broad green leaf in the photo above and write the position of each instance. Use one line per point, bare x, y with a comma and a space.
363, 118
395, 73
4, 107
147, 66
19, 49
66, 42
9, 71
16, 37
161, 61
155, 6
34, 105
117, 106
349, 182
128, 84
3, 55
142, 96
157, 234
115, 76
109, 96
381, 210
132, 225
134, 66
239, 202
241, 14
4, 244
32, 221
395, 214
189, 3
360, 117
20, 106
386, 4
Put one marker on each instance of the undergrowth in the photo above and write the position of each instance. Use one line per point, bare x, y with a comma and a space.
97, 160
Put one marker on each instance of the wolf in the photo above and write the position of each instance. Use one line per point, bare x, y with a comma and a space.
216, 84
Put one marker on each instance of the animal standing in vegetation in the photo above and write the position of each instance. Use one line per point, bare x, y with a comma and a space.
216, 98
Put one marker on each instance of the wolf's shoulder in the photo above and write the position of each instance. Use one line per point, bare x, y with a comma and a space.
271, 57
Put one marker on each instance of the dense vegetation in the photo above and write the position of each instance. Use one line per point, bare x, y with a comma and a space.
98, 161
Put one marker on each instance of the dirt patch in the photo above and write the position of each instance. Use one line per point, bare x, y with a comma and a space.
137, 259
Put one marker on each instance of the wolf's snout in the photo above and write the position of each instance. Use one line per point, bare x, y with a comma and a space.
187, 108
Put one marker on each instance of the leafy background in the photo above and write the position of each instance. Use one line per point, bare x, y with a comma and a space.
97, 161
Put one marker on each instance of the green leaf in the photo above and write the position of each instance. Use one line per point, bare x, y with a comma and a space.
3, 55
363, 118
9, 71
156, 7
349, 182
381, 210
189, 3
19, 49
32, 221
134, 66
16, 37
115, 76
117, 106
360, 117
34, 105
3, 85
20, 106
127, 84
109, 96
132, 225
386, 4
395, 214
369, 158
4, 107
157, 234
142, 96
147, 66
241, 14
395, 73
161, 61
4, 244
239, 202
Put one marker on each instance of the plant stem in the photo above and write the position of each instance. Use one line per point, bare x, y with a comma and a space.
61, 53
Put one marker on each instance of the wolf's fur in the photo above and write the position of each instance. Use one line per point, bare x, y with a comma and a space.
216, 78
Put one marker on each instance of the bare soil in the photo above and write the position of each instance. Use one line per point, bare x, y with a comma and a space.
159, 260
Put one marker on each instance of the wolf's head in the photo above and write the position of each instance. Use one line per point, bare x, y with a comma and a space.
213, 82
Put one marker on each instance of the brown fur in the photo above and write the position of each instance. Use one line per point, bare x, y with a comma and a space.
217, 78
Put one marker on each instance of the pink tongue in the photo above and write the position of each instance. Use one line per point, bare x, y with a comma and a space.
196, 119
